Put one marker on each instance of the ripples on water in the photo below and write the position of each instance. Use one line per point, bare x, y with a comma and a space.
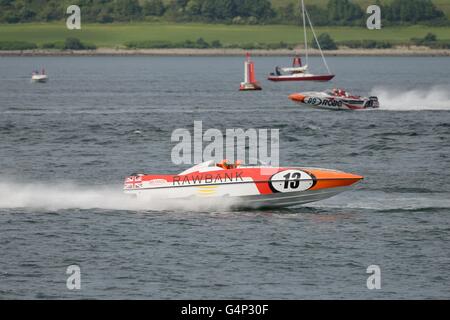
65, 147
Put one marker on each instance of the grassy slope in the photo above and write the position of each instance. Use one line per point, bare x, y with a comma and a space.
444, 5
115, 35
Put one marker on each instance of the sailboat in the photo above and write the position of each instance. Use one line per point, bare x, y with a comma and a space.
299, 72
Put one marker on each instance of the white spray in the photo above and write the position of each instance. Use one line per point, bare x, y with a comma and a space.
435, 98
59, 196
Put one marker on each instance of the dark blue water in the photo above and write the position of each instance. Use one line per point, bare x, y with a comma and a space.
66, 146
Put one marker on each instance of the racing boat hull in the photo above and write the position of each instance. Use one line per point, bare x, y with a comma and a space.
247, 187
324, 100
289, 200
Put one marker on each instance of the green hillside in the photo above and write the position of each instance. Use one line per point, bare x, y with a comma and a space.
444, 5
238, 12
249, 24
117, 34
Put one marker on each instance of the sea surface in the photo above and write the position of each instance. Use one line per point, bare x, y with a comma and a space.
66, 146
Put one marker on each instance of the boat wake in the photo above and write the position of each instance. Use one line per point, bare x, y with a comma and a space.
386, 202
435, 98
66, 196
54, 197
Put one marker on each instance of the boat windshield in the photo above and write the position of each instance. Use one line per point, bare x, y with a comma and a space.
338, 92
252, 162
200, 166
224, 164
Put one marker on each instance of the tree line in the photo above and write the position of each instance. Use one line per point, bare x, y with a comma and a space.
337, 12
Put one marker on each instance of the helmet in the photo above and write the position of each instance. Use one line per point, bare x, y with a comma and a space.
223, 164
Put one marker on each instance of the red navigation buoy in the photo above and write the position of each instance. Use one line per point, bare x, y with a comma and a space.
250, 82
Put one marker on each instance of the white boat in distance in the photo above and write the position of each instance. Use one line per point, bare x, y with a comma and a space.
40, 77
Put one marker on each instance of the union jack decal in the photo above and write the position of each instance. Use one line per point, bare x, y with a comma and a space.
133, 183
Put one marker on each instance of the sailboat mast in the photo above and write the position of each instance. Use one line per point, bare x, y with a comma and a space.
318, 44
304, 30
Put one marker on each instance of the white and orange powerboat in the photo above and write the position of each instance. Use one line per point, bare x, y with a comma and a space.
252, 186
336, 99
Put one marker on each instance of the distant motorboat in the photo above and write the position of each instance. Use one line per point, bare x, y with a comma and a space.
40, 77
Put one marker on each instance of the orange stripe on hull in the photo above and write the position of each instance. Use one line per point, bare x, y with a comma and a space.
333, 179
297, 97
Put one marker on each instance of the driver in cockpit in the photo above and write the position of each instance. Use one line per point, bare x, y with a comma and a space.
225, 164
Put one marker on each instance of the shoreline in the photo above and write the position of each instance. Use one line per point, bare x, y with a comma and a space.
343, 52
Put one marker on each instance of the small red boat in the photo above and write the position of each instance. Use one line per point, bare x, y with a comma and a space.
299, 72
306, 77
